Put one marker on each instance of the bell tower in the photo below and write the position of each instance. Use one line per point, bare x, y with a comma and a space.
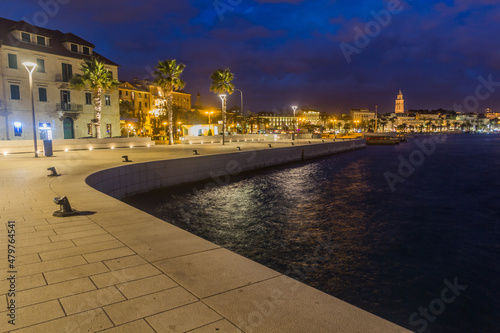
400, 103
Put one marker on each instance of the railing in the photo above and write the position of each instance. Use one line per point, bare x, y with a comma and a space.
59, 78
69, 107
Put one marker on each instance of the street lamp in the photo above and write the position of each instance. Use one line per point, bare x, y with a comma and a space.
241, 92
223, 98
30, 67
294, 107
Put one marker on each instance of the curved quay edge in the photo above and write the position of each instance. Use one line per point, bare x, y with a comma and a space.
241, 293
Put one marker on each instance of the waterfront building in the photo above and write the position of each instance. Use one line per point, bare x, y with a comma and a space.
135, 99
60, 112
311, 117
270, 121
400, 103
361, 115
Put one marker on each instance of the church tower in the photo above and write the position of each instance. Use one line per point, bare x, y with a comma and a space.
197, 104
400, 103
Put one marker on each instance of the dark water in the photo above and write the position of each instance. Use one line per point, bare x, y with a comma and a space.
335, 224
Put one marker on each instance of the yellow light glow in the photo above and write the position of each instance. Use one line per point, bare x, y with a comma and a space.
4, 153
131, 146
112, 147
66, 150
91, 148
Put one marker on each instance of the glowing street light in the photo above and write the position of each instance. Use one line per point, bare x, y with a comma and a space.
30, 67
223, 98
165, 131
294, 107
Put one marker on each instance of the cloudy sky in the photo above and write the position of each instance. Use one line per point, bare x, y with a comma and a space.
324, 54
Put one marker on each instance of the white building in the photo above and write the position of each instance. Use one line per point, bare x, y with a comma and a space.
60, 112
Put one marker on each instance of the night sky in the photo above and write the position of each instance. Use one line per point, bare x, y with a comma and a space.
289, 52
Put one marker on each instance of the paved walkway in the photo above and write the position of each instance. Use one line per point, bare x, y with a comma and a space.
118, 269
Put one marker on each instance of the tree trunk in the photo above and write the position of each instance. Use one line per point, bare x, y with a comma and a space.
97, 109
170, 119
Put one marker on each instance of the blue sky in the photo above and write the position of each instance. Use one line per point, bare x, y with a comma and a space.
288, 52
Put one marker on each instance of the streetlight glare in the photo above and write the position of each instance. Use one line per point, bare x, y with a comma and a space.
30, 66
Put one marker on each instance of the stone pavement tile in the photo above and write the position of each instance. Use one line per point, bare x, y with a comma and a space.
67, 220
157, 240
65, 224
122, 218
146, 286
76, 272
37, 234
22, 242
46, 247
184, 318
139, 326
53, 291
81, 234
79, 250
75, 229
28, 259
283, 304
91, 300
218, 327
148, 305
24, 282
90, 321
124, 275
47, 266
34, 222
124, 262
212, 272
31, 315
108, 254
94, 239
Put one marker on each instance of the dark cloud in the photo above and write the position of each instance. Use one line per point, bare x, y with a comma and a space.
288, 52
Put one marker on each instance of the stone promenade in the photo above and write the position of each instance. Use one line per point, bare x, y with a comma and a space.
117, 269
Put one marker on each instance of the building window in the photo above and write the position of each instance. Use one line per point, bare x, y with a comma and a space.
145, 104
140, 105
14, 92
140, 95
86, 50
89, 129
12, 61
67, 72
25, 37
42, 94
108, 129
40, 40
132, 93
126, 93
88, 98
40, 68
120, 93
74, 48
107, 99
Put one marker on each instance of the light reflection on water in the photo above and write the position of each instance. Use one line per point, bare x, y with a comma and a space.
335, 225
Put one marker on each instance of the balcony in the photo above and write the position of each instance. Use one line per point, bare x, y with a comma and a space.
62, 78
69, 107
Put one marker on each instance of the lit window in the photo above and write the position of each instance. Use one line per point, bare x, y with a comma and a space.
18, 128
107, 99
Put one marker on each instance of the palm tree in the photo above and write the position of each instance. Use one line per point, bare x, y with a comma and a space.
222, 83
98, 79
167, 77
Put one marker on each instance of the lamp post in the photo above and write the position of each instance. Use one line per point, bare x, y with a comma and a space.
294, 107
30, 67
241, 92
209, 120
223, 98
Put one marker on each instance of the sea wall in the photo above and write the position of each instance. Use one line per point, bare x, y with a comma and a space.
131, 179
